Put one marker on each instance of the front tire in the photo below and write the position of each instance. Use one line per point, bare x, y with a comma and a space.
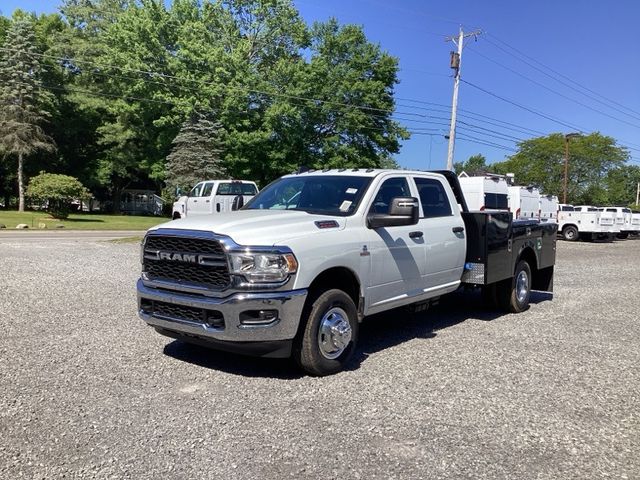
570, 233
329, 335
513, 294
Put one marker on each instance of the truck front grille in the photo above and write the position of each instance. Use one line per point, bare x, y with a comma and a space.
186, 261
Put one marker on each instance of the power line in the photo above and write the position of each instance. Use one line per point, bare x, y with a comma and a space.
507, 137
235, 87
488, 144
298, 98
572, 83
469, 113
557, 92
523, 107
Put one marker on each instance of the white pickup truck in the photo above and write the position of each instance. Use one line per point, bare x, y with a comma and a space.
213, 197
295, 271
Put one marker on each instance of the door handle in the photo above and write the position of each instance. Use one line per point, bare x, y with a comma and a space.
415, 235
457, 229
208, 201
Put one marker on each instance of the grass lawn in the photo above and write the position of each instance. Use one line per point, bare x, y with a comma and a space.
79, 221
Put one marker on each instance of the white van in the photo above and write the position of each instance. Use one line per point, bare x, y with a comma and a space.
214, 196
487, 192
524, 202
549, 208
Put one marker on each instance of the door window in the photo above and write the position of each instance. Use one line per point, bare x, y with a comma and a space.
206, 191
195, 191
433, 198
390, 188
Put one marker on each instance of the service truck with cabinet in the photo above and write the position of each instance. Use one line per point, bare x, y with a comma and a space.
485, 192
295, 270
548, 208
585, 222
524, 202
623, 220
213, 197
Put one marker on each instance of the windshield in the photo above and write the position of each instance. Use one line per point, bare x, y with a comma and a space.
322, 194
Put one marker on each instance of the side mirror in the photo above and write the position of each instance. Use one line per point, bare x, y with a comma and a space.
402, 211
238, 202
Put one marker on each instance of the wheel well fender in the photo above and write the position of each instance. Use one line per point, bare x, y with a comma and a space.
527, 254
566, 225
341, 278
541, 279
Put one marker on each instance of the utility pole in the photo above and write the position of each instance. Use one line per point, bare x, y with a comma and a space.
456, 64
638, 194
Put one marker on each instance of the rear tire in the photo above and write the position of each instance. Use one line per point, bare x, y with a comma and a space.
329, 334
513, 294
570, 233
623, 235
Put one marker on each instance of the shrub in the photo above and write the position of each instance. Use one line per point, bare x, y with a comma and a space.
57, 192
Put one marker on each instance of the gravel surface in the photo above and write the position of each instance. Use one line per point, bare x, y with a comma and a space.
88, 391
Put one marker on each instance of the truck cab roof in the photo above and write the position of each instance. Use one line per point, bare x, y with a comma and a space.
360, 172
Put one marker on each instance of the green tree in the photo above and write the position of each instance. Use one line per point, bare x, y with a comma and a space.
621, 185
196, 153
475, 165
540, 161
21, 112
57, 191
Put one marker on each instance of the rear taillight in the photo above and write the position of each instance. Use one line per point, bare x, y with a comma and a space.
518, 213
482, 208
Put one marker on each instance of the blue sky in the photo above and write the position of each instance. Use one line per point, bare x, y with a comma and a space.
591, 42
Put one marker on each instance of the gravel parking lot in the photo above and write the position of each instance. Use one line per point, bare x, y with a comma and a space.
88, 391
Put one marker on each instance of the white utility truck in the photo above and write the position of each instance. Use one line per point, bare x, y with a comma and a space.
486, 192
297, 268
586, 222
549, 208
623, 219
635, 222
524, 202
214, 196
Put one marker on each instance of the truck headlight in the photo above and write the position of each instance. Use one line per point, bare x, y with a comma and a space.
263, 267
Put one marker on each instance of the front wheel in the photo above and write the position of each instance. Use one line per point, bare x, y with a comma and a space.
329, 334
513, 294
570, 233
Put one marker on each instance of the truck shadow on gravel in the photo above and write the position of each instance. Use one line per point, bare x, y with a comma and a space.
377, 333
388, 329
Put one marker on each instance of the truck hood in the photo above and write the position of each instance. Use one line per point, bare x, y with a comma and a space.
257, 227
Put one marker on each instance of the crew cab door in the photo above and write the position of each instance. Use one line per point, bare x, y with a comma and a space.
199, 201
397, 253
443, 234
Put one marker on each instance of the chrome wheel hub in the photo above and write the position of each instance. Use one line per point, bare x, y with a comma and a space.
522, 286
334, 334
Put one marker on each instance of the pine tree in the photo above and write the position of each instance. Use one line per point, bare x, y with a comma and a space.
21, 115
196, 153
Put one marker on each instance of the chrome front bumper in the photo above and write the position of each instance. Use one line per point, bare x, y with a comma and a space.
288, 304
